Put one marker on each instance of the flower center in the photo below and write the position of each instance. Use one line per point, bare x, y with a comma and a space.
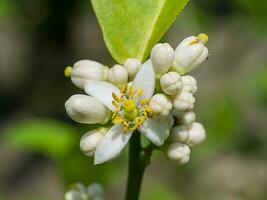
128, 112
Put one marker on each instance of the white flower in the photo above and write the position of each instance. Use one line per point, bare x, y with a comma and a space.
179, 134
79, 192
75, 195
190, 84
118, 75
84, 70
96, 191
160, 104
132, 65
130, 112
171, 83
85, 109
183, 101
162, 56
179, 153
197, 134
185, 118
190, 53
90, 141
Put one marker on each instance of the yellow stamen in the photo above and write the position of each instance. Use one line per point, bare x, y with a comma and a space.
67, 71
144, 102
141, 92
115, 97
130, 90
123, 89
117, 120
115, 104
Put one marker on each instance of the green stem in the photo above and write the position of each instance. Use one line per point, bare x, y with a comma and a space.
138, 160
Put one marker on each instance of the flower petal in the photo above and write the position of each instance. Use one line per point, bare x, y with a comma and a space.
102, 91
112, 144
145, 79
155, 131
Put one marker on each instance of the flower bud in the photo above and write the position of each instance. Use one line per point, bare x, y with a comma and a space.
171, 83
160, 104
168, 120
132, 65
190, 53
118, 75
87, 110
185, 118
179, 153
179, 134
90, 141
87, 70
190, 84
75, 195
96, 191
197, 134
183, 102
162, 56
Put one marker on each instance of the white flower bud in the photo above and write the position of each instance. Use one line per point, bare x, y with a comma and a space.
197, 134
179, 153
168, 120
132, 65
75, 195
162, 56
183, 101
185, 118
190, 53
85, 109
118, 75
95, 190
190, 84
179, 134
90, 141
84, 70
160, 104
171, 83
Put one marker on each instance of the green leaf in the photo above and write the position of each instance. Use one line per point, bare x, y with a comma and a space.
132, 27
51, 138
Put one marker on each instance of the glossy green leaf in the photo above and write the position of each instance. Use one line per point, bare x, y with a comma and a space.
51, 138
132, 27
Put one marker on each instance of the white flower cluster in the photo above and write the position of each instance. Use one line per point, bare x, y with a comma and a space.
155, 98
80, 192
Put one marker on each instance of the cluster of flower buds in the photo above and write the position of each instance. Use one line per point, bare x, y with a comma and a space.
156, 98
80, 192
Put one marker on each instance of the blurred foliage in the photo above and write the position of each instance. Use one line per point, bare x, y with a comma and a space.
222, 119
52, 138
60, 142
258, 85
159, 192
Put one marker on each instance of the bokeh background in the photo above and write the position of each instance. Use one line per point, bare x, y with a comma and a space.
39, 145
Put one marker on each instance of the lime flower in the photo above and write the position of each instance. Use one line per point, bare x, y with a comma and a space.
124, 101
190, 53
84, 70
131, 111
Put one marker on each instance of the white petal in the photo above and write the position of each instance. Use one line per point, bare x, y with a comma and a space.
102, 91
112, 144
156, 132
145, 79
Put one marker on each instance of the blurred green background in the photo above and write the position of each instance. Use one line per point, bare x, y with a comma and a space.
39, 144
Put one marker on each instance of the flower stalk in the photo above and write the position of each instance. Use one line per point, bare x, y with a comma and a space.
139, 159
